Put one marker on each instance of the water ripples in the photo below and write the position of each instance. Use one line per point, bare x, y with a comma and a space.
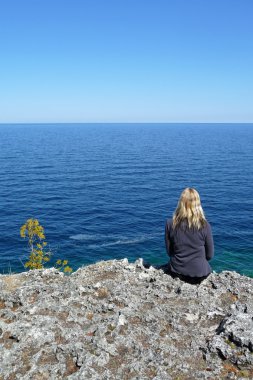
118, 183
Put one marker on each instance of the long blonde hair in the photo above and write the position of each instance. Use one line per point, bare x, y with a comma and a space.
189, 209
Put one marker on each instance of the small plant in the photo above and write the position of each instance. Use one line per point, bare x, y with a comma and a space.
34, 233
39, 255
62, 265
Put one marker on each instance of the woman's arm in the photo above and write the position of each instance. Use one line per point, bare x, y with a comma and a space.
167, 240
209, 246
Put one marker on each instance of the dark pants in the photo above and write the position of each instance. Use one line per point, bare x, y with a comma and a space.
188, 279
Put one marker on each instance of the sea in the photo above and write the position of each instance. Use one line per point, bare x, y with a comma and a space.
104, 191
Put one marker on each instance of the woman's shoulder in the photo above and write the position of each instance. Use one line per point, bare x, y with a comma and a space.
207, 228
168, 223
207, 225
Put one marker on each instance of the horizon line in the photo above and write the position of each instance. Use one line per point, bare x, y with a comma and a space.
124, 122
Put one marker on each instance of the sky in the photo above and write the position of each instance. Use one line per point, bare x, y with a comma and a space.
126, 61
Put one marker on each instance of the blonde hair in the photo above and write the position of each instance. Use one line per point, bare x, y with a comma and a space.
189, 209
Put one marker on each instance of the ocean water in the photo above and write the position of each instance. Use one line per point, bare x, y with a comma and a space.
104, 191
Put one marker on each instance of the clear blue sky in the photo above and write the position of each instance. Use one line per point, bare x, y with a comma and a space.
126, 60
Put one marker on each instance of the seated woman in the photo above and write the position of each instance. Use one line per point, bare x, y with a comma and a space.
189, 240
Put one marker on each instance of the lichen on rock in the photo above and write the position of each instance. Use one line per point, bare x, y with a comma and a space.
120, 320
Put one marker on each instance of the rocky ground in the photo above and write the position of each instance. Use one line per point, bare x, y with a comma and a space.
115, 320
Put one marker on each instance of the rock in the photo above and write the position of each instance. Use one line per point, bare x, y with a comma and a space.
121, 320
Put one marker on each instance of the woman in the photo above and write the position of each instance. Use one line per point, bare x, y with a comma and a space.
189, 240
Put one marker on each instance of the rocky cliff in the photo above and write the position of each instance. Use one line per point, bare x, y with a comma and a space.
115, 320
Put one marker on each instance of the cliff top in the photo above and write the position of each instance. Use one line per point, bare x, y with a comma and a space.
115, 320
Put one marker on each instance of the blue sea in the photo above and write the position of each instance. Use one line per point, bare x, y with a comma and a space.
104, 191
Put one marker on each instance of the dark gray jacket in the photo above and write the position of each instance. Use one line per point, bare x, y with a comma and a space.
189, 249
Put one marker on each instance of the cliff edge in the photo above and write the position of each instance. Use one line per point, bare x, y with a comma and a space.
115, 320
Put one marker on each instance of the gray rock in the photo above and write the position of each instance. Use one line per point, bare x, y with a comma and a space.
121, 320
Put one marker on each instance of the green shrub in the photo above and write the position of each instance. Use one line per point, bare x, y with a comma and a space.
39, 255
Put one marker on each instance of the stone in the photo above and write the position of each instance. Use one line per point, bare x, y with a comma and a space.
121, 320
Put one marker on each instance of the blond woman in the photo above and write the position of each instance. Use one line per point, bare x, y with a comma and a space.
189, 239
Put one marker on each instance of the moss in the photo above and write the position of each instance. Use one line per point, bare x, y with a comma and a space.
111, 327
244, 373
231, 344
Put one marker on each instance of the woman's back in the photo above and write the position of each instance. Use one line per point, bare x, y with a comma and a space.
189, 249
188, 237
